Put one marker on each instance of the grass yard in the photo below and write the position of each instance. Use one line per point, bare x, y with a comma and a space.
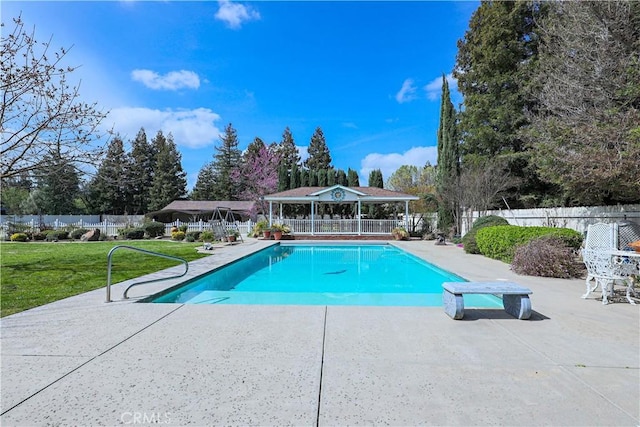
36, 273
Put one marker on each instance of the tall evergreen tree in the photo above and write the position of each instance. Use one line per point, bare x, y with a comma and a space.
287, 150
448, 170
322, 177
331, 177
304, 177
376, 179
283, 177
319, 157
495, 62
294, 179
110, 190
227, 158
341, 178
254, 148
313, 178
142, 163
169, 179
58, 187
353, 180
205, 186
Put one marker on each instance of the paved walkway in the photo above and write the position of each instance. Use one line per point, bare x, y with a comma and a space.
81, 361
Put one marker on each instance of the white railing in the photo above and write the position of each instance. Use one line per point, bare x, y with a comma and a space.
298, 226
342, 226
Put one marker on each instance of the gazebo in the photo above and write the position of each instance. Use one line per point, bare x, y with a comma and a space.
338, 195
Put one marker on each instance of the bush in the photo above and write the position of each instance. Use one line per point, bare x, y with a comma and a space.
178, 235
19, 237
500, 242
206, 236
39, 236
400, 233
469, 239
77, 233
189, 238
183, 228
259, 228
194, 235
547, 256
154, 229
133, 233
55, 235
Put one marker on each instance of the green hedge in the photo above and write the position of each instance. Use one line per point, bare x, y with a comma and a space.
154, 229
469, 240
500, 242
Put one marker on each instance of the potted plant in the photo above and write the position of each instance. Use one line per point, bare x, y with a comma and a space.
400, 233
279, 229
232, 235
261, 228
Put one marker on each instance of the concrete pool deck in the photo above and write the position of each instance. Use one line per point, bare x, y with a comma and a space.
81, 361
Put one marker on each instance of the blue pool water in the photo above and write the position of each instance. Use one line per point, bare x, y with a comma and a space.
324, 275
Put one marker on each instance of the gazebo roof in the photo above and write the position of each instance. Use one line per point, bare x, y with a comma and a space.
371, 194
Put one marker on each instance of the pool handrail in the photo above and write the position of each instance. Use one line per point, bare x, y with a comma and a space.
109, 258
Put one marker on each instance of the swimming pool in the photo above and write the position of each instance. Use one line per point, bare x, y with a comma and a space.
381, 275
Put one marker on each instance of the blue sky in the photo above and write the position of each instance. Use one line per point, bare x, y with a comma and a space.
368, 73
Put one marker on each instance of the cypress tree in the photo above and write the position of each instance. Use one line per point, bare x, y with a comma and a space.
448, 169
319, 157
142, 163
353, 180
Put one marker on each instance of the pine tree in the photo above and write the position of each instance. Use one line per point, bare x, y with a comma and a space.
319, 157
142, 163
205, 184
227, 158
448, 171
169, 179
288, 151
110, 190
58, 187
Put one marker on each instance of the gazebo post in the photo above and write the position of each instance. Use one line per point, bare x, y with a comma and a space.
270, 213
406, 215
313, 209
359, 217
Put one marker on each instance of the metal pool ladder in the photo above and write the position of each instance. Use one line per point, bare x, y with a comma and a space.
109, 256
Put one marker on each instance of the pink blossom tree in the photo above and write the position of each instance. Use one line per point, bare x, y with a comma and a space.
257, 175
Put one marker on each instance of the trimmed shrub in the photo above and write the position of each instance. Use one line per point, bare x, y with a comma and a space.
77, 233
207, 236
133, 233
39, 236
189, 238
183, 228
195, 235
469, 239
55, 235
178, 235
547, 256
153, 229
19, 237
500, 242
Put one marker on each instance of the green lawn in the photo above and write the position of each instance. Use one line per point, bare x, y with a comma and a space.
37, 273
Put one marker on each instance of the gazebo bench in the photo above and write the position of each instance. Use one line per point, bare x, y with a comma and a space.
515, 298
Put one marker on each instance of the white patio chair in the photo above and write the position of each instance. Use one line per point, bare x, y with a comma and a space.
600, 237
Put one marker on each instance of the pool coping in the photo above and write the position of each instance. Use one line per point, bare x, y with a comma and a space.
83, 361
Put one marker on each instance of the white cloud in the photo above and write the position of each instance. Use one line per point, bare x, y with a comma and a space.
190, 128
389, 163
234, 14
434, 88
173, 80
407, 92
350, 125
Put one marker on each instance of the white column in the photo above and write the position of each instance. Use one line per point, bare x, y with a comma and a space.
359, 217
280, 214
270, 213
313, 211
406, 214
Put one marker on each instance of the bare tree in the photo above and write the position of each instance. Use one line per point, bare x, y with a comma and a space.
41, 114
585, 135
